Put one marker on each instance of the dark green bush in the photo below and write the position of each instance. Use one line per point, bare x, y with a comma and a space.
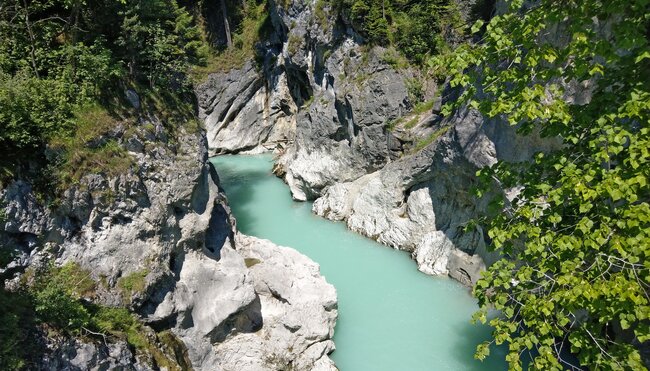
57, 57
417, 28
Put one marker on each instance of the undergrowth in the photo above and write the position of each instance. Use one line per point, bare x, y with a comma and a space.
133, 283
58, 302
424, 142
253, 28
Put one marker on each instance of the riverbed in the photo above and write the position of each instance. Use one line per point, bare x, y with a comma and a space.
391, 316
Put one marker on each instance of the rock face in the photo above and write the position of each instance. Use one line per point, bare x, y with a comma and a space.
422, 203
336, 111
320, 98
294, 306
245, 113
235, 302
74, 354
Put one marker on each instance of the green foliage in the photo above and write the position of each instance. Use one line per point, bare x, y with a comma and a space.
392, 124
253, 28
29, 116
416, 28
423, 107
410, 124
320, 13
58, 300
16, 323
424, 142
162, 349
59, 309
294, 43
59, 56
576, 273
158, 41
415, 88
133, 283
394, 58
412, 119
78, 158
57, 295
119, 322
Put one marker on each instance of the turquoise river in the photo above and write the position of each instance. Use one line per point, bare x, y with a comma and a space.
391, 316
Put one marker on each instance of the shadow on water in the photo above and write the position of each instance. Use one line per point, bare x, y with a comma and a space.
239, 185
469, 337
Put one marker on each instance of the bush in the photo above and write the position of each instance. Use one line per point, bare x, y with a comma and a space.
254, 27
16, 330
56, 297
413, 27
50, 70
424, 142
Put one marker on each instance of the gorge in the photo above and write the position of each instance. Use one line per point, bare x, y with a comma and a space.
390, 315
266, 185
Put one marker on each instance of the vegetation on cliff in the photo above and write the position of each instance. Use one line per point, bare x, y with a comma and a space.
64, 69
250, 24
58, 301
417, 28
58, 57
574, 287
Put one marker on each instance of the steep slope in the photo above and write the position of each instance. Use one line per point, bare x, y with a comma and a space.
319, 96
344, 124
160, 240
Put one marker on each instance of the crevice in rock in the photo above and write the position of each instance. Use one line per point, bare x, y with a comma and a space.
462, 276
219, 229
200, 193
276, 295
247, 320
121, 219
299, 85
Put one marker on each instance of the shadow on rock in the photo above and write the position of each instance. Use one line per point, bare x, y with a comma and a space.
248, 320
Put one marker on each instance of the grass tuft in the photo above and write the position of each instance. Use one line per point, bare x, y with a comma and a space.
422, 143
133, 283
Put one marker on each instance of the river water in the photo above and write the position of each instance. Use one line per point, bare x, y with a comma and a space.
391, 316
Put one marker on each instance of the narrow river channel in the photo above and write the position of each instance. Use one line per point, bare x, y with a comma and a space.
391, 316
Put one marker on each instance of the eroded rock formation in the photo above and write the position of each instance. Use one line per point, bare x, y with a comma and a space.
231, 302
329, 106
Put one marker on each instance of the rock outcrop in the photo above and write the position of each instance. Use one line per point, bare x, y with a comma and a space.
422, 203
231, 301
290, 323
335, 111
244, 112
320, 97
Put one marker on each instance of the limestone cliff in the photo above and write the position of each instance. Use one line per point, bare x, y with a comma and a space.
341, 118
319, 97
230, 302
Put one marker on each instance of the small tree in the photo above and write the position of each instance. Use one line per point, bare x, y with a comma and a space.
575, 276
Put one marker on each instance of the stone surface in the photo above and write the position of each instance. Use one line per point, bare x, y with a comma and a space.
294, 306
167, 220
422, 203
77, 355
319, 98
244, 113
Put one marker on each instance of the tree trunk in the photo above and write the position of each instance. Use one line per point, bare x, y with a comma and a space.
32, 38
226, 25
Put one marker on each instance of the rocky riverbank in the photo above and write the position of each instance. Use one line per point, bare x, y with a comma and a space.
349, 135
161, 241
